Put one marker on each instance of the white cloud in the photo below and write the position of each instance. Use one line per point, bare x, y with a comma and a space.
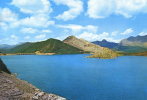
127, 8
88, 36
41, 36
3, 26
114, 33
127, 31
27, 37
33, 6
75, 8
14, 37
39, 11
7, 18
91, 36
94, 37
28, 30
79, 28
143, 33
12, 40
7, 15
40, 20
46, 31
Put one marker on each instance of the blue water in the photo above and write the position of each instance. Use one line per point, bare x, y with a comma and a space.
78, 78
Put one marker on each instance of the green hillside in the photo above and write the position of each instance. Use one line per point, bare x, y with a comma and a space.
48, 46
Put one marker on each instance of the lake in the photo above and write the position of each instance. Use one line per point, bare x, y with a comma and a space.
76, 77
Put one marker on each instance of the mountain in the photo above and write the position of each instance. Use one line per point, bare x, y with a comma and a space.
96, 50
140, 41
48, 46
133, 44
129, 45
6, 46
130, 49
3, 67
105, 43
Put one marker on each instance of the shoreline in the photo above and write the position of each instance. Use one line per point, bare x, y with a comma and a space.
119, 54
14, 88
7, 54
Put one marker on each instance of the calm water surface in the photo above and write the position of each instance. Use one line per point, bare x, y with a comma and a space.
78, 78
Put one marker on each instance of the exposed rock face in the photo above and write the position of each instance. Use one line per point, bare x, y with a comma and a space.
3, 67
98, 51
81, 44
140, 41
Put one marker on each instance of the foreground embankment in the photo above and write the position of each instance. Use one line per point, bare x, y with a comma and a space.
12, 88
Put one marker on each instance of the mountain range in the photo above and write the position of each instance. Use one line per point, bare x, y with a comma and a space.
74, 45
71, 45
128, 45
140, 41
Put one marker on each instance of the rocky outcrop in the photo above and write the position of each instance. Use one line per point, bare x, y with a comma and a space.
3, 67
12, 88
96, 50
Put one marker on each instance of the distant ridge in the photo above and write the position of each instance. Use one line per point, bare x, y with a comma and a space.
105, 43
96, 50
140, 41
129, 45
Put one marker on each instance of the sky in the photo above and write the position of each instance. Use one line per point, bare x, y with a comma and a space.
37, 20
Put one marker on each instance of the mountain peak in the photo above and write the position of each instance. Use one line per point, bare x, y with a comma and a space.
104, 40
71, 36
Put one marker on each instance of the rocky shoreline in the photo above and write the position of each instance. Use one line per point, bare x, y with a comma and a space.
12, 88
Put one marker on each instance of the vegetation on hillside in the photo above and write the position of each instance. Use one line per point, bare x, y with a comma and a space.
105, 54
48, 46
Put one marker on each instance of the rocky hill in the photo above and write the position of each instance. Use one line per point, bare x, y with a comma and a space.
96, 50
47, 46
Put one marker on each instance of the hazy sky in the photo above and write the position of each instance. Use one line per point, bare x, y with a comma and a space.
35, 20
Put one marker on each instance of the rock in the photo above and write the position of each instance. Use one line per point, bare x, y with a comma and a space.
3, 67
